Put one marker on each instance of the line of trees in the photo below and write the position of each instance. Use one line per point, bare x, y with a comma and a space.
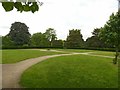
19, 36
104, 37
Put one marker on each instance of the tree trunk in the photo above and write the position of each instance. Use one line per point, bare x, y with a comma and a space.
115, 60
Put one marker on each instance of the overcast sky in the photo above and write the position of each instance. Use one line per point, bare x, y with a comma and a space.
62, 15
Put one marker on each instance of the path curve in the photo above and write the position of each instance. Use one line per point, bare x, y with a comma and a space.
11, 73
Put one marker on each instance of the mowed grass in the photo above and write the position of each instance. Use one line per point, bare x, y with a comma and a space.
75, 50
94, 52
75, 71
105, 53
13, 56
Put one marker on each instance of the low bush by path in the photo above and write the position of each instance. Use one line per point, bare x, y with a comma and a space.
75, 71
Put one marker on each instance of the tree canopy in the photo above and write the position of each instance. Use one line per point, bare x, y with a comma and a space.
95, 41
74, 40
50, 34
19, 33
111, 32
21, 5
39, 40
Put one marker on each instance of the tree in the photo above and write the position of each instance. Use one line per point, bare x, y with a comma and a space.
21, 5
95, 41
7, 42
39, 40
74, 40
50, 35
111, 33
19, 33
57, 44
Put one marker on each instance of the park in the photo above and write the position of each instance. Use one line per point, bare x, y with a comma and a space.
59, 69
42, 60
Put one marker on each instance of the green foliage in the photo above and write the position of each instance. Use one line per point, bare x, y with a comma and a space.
7, 42
57, 43
50, 34
95, 41
75, 71
34, 7
19, 33
8, 6
40, 40
21, 6
74, 40
111, 30
111, 33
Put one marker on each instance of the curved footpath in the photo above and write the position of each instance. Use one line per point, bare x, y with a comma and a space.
11, 73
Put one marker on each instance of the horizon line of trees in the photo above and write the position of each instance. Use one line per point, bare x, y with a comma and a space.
19, 36
107, 36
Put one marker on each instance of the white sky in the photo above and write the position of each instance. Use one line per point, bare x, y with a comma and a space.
62, 15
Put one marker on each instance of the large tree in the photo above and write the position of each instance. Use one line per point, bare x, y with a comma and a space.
21, 5
74, 40
50, 35
19, 33
39, 40
111, 33
95, 41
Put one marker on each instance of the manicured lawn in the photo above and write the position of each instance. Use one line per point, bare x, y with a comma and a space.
13, 56
76, 50
105, 53
75, 71
94, 52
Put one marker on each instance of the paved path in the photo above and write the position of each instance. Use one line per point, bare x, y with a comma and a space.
12, 72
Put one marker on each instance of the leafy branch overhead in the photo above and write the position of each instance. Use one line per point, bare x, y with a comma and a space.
22, 5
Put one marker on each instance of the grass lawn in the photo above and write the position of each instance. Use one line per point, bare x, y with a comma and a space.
75, 71
13, 56
105, 53
75, 50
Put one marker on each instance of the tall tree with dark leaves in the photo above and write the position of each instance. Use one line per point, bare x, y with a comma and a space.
95, 41
19, 33
74, 40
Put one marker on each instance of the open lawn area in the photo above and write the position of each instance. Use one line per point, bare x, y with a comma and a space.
94, 52
75, 50
13, 56
105, 53
86, 69
76, 71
